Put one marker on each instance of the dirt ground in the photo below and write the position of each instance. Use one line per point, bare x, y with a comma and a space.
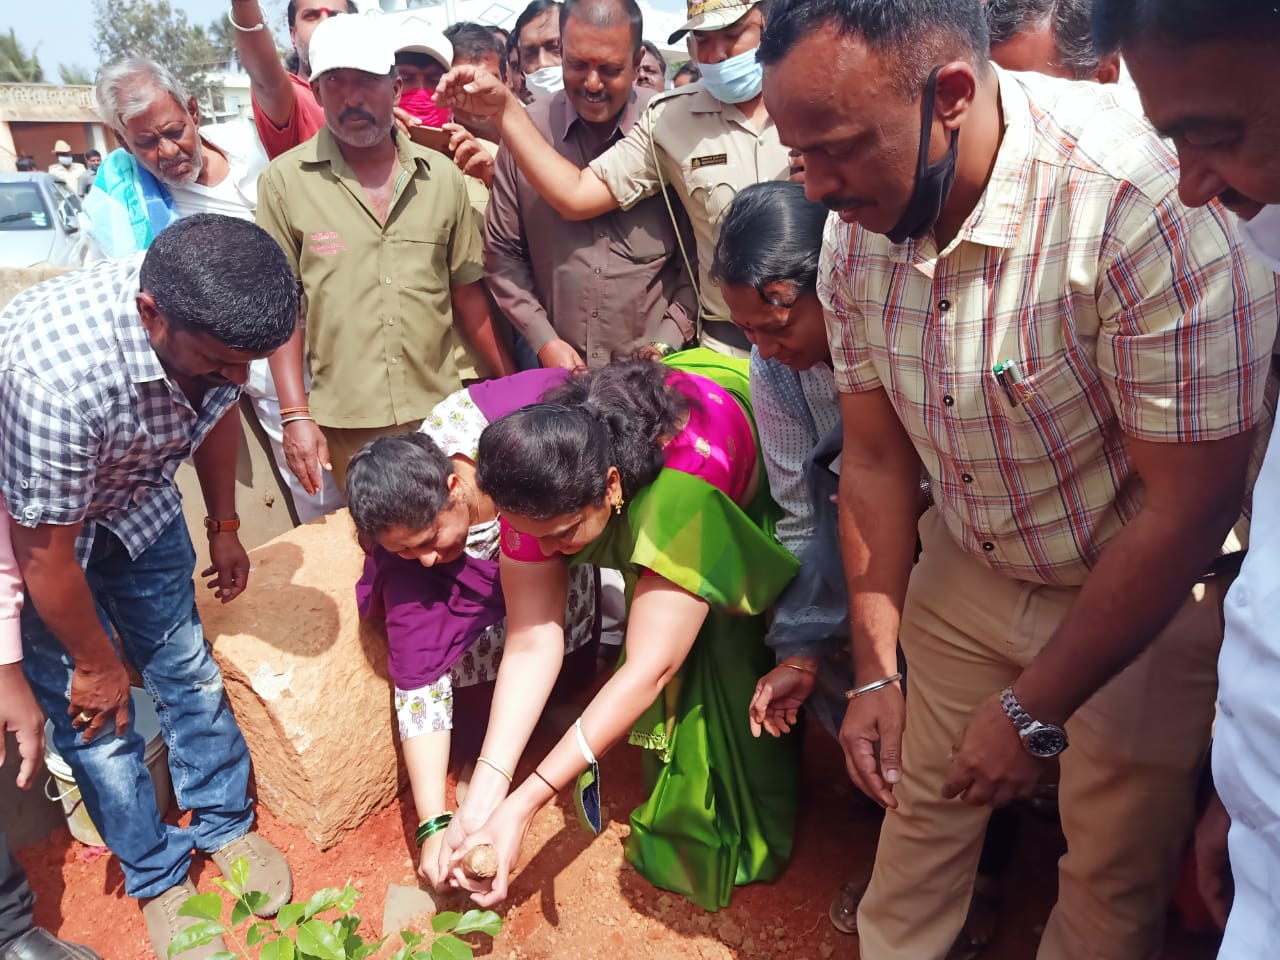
576, 897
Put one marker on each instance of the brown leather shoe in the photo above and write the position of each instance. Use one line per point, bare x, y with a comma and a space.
269, 872
163, 924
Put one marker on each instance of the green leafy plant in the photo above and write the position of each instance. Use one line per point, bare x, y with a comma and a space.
298, 932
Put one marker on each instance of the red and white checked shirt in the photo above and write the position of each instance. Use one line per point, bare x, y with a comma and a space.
1127, 313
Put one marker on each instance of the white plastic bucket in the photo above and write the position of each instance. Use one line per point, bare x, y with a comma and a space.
61, 786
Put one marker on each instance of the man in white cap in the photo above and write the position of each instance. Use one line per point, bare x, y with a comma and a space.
66, 171
707, 140
388, 250
423, 56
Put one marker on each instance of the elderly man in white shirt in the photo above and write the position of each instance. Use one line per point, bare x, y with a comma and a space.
190, 169
1209, 80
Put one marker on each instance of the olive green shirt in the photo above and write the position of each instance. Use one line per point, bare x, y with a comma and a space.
379, 332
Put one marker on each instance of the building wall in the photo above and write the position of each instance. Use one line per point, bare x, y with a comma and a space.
33, 116
37, 138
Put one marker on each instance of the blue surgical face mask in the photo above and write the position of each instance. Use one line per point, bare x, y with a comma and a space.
735, 80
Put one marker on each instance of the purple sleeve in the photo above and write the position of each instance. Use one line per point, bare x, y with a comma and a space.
497, 398
432, 614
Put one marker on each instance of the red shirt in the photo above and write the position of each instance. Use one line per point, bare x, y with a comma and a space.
305, 119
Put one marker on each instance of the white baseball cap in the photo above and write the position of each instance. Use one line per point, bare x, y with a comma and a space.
413, 35
351, 42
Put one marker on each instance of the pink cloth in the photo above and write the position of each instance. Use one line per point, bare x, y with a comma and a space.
716, 445
422, 105
10, 595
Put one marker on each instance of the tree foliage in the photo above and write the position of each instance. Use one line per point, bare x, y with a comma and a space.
74, 75
153, 29
16, 65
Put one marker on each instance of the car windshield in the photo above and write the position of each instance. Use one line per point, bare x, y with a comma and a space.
22, 208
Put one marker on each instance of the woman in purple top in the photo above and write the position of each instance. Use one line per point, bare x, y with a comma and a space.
431, 572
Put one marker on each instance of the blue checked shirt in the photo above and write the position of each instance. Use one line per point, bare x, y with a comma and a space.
91, 428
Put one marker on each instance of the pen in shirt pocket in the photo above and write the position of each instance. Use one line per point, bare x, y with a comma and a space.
1009, 376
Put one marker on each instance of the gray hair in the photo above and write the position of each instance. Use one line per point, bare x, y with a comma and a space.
127, 89
1068, 23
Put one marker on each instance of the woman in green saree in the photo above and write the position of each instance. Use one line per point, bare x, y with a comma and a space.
652, 469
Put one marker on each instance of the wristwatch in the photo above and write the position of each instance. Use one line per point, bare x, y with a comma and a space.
222, 526
1041, 740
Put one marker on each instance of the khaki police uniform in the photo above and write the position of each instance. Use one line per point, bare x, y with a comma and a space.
707, 151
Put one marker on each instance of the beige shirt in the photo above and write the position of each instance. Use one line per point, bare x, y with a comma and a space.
380, 339
1125, 314
69, 177
707, 151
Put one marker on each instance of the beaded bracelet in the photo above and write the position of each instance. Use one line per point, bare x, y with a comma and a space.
429, 828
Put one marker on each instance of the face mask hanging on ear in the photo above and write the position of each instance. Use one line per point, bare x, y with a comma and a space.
933, 181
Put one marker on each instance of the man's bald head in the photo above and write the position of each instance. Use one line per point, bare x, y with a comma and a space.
606, 15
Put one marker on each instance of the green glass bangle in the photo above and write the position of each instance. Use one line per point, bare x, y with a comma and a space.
429, 828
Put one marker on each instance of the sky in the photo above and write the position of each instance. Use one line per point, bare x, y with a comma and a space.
62, 30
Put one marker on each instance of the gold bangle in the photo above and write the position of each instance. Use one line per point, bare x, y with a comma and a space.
796, 666
496, 766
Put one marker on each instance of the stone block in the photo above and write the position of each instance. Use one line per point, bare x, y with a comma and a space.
308, 682
407, 908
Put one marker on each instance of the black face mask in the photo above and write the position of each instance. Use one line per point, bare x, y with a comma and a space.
933, 181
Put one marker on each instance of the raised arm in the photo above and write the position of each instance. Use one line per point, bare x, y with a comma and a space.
256, 50
574, 194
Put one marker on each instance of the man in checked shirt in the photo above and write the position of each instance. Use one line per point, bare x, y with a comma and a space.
1018, 299
109, 379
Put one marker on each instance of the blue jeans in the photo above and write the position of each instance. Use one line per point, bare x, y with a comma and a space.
150, 602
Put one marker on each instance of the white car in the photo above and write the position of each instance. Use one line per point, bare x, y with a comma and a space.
38, 221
